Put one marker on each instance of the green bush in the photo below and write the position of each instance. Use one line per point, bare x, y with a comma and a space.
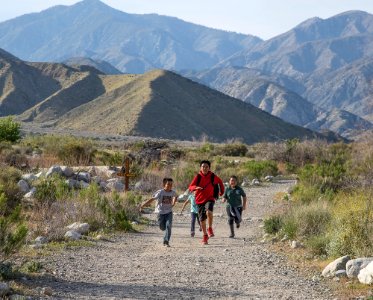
259, 169
9, 130
235, 149
318, 244
9, 177
273, 224
352, 225
50, 189
12, 231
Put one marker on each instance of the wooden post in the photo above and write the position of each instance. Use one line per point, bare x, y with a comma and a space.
125, 172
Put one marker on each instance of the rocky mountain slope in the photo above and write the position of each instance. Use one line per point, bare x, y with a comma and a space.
266, 92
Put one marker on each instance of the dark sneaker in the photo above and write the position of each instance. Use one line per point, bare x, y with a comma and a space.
205, 239
210, 232
165, 243
238, 225
231, 236
192, 234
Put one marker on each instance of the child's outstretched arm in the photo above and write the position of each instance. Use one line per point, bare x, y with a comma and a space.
184, 204
147, 202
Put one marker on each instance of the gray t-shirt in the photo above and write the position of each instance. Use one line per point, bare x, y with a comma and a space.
164, 201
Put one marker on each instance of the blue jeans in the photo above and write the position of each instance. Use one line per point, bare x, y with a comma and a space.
194, 217
165, 224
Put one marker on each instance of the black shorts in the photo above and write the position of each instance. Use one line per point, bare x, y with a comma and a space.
202, 208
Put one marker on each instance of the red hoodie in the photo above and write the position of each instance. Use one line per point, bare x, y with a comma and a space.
207, 193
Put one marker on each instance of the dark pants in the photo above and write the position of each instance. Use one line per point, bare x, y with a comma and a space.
203, 208
194, 217
165, 224
234, 215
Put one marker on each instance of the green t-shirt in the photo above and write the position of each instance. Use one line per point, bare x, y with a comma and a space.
234, 196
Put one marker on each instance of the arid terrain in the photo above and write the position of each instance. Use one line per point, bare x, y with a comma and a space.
138, 266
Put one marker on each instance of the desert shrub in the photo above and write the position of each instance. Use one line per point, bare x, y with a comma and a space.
235, 149
9, 130
108, 158
259, 169
9, 177
306, 193
273, 224
50, 189
318, 244
289, 227
12, 231
183, 174
69, 150
313, 219
206, 148
352, 225
32, 267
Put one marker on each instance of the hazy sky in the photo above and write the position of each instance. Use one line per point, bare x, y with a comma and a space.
263, 18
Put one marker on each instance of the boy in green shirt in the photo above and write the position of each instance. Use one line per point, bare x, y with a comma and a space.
236, 200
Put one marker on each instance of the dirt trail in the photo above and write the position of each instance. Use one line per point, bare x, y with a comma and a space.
138, 266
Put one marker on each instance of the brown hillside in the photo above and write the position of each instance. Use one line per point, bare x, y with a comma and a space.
164, 104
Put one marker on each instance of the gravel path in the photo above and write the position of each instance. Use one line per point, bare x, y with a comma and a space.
138, 266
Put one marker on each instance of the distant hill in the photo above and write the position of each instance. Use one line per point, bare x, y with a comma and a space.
264, 91
157, 104
100, 65
131, 43
166, 105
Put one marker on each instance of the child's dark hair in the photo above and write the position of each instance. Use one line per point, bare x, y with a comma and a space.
234, 177
205, 162
167, 179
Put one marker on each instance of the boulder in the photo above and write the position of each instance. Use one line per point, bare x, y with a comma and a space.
81, 228
67, 171
23, 186
354, 266
54, 170
366, 274
336, 265
73, 235
29, 177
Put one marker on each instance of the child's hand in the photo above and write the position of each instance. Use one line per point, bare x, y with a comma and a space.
223, 200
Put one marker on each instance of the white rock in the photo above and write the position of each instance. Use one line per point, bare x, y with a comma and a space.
354, 266
81, 228
30, 194
366, 275
41, 240
29, 177
334, 266
73, 235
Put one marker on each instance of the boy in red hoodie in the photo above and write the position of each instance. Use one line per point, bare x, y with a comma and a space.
205, 185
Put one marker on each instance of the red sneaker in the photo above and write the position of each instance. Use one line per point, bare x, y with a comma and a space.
210, 232
205, 239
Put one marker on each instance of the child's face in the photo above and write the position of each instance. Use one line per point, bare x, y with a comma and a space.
168, 186
232, 182
205, 168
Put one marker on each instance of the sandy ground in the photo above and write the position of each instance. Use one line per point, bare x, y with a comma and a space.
138, 266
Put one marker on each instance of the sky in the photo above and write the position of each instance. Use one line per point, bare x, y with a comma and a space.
263, 18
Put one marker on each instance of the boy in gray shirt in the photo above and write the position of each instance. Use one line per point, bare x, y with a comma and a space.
166, 199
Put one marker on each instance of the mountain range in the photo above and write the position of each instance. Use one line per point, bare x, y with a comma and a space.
158, 104
317, 75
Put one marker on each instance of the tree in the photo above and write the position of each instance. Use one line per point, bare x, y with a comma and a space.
9, 130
